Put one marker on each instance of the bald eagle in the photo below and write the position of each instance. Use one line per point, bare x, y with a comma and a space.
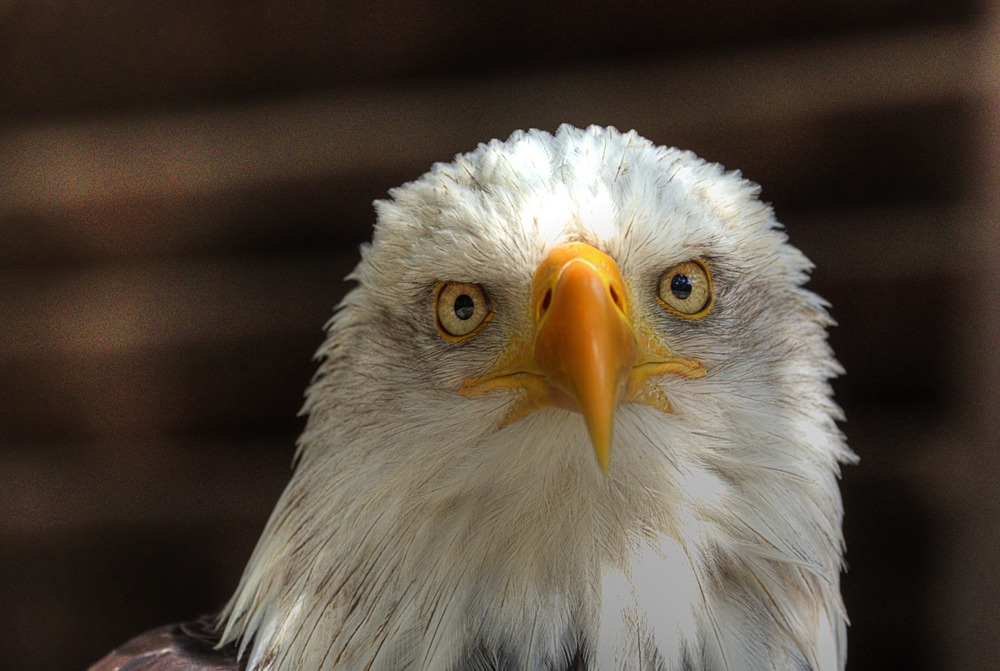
575, 414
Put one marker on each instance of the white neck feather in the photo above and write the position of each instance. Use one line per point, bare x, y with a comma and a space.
528, 556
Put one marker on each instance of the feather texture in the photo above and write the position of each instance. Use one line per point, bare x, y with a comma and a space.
420, 532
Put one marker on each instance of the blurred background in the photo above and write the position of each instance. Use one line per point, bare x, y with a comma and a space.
184, 185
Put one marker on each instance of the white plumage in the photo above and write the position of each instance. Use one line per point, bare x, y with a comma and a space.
438, 519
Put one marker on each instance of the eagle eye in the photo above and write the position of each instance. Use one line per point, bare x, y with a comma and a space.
686, 289
462, 308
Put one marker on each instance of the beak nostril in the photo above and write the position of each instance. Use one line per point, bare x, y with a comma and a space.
614, 297
546, 300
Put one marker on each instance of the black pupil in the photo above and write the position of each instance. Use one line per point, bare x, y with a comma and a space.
680, 286
464, 307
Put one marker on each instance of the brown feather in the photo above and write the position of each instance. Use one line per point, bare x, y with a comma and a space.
190, 646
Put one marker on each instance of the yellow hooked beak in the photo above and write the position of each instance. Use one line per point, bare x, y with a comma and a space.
585, 354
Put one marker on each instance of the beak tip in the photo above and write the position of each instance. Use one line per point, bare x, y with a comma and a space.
604, 465
602, 450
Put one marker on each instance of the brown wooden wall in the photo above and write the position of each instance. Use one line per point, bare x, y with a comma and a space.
183, 187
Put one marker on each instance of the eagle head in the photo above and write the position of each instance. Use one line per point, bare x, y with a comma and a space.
575, 414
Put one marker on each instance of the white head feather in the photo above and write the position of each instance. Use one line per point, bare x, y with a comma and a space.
416, 534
